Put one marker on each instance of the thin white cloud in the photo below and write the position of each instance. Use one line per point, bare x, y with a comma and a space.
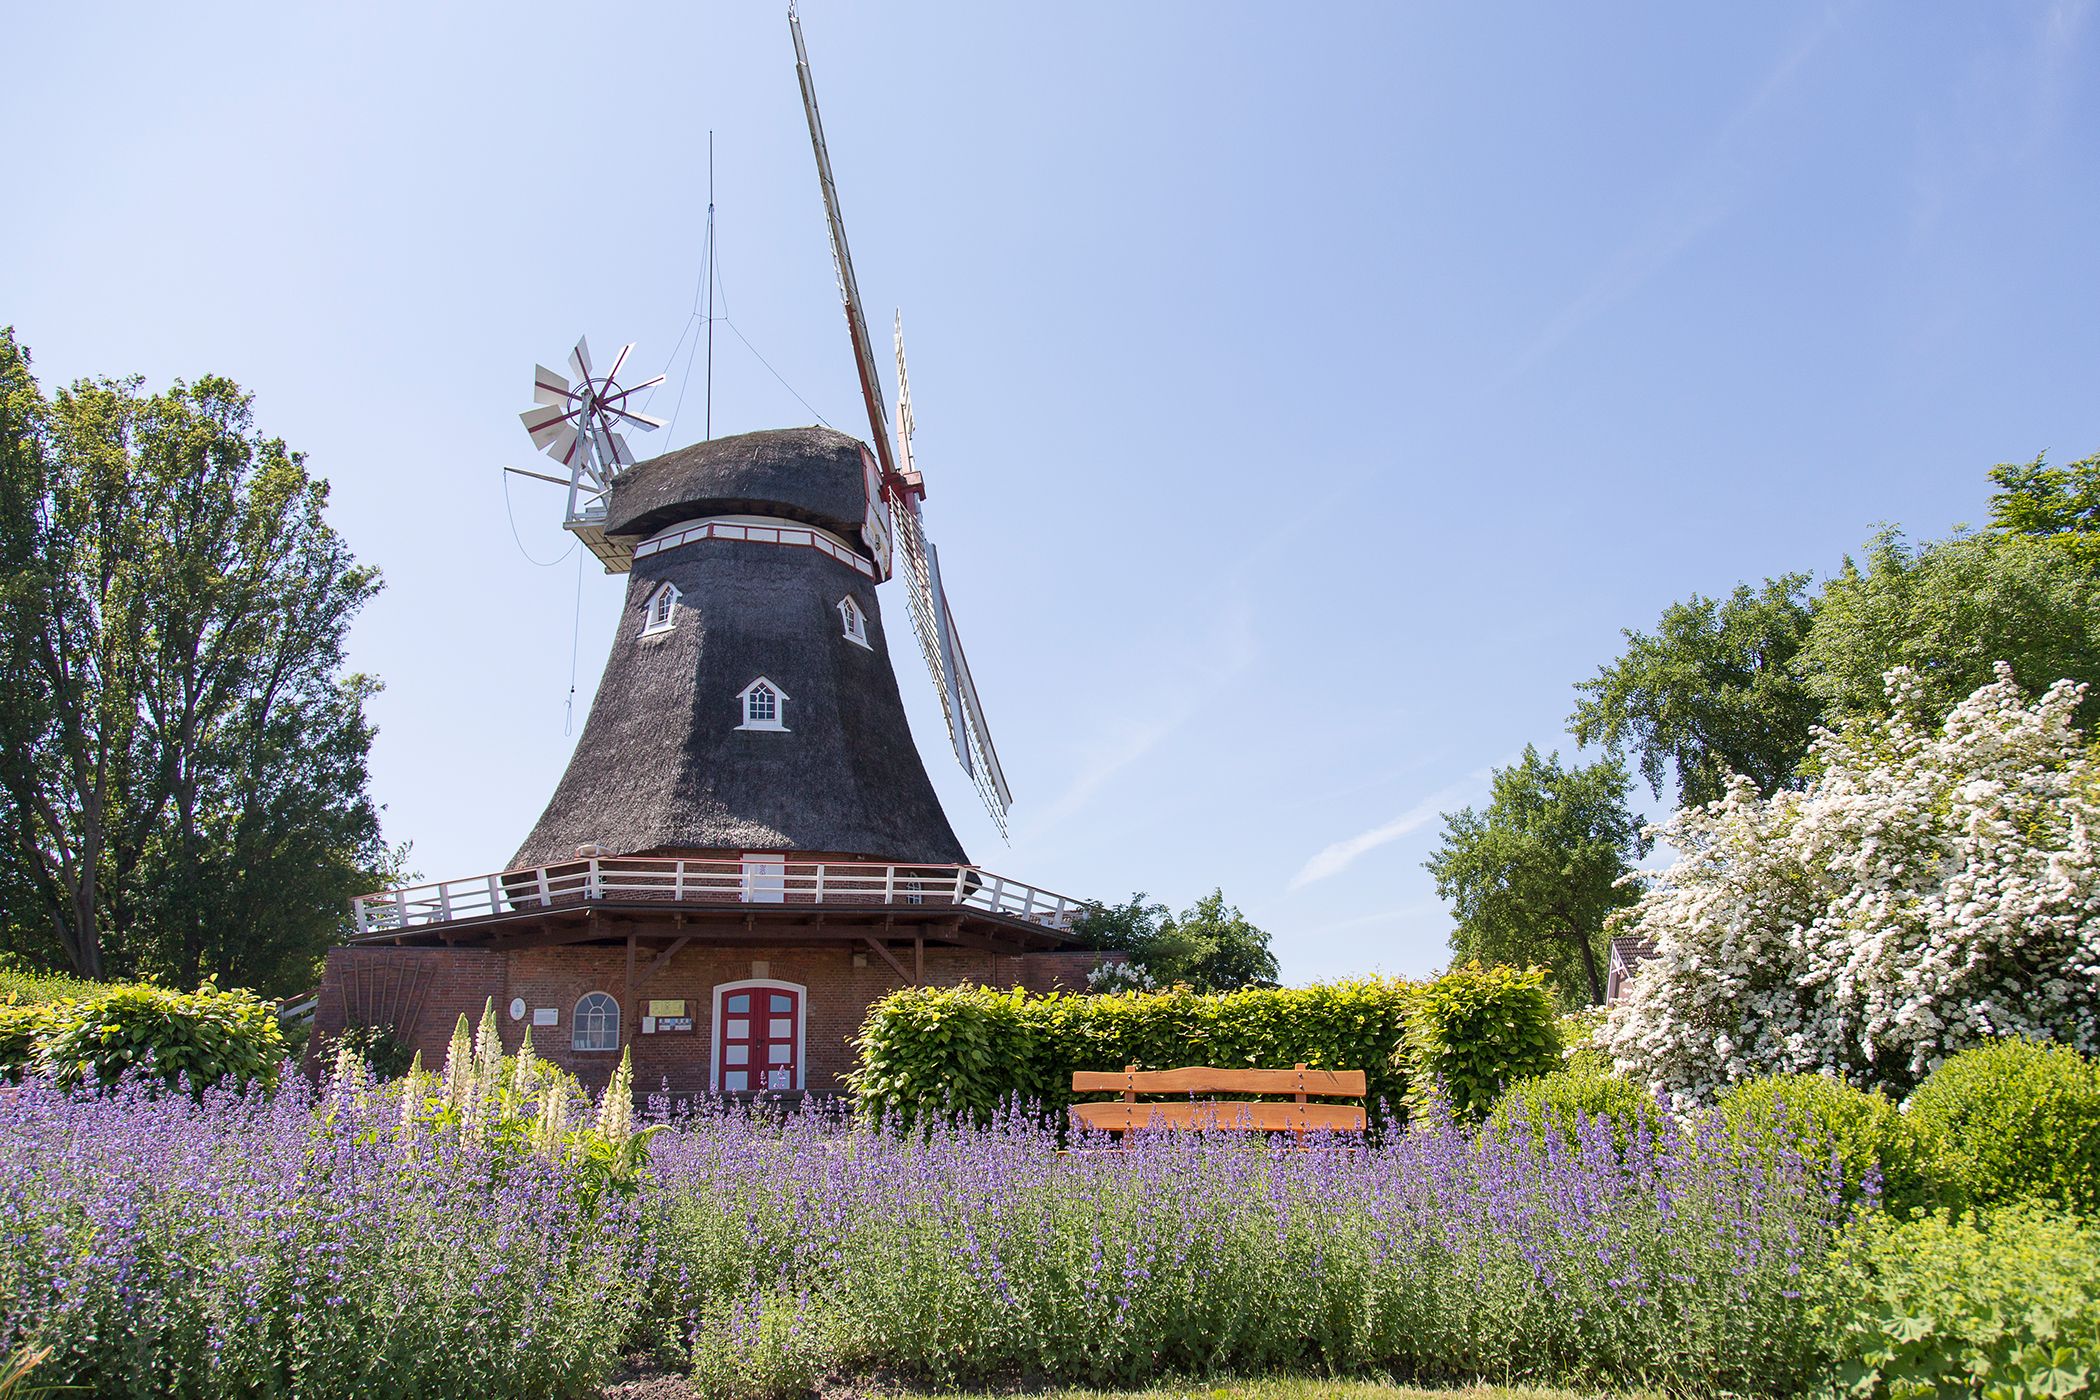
1334, 859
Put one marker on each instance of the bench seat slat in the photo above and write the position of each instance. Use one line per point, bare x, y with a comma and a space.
1273, 1117
1201, 1079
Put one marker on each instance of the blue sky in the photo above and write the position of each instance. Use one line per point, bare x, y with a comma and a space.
1307, 395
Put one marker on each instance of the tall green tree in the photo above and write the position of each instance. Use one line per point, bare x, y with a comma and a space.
2060, 505
1533, 877
1209, 946
186, 759
1950, 610
1711, 692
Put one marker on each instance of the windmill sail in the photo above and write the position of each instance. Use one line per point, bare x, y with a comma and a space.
930, 614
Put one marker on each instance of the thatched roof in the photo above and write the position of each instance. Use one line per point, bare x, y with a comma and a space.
662, 763
808, 474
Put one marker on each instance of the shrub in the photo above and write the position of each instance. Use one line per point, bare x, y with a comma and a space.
941, 1051
381, 1048
22, 1028
1561, 1101
1930, 889
26, 985
207, 1035
1828, 1122
2006, 1305
1476, 1030
2013, 1121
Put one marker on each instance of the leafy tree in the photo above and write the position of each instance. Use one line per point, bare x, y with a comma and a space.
185, 762
1948, 611
1210, 946
1711, 693
2057, 504
1533, 878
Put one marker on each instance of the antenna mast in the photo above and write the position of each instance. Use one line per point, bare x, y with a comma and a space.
709, 431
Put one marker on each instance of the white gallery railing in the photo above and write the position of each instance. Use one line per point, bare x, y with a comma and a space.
645, 879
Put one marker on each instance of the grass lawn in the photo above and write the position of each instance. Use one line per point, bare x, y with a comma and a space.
1281, 1389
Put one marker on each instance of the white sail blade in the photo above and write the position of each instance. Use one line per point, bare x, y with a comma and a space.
544, 423
983, 766
549, 387
580, 362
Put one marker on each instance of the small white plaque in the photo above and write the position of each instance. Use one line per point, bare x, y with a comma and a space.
517, 1008
546, 1015
648, 1025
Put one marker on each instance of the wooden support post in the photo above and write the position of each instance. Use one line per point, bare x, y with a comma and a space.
627, 1021
657, 963
891, 959
918, 960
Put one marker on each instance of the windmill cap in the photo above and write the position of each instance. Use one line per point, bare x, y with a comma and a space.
811, 475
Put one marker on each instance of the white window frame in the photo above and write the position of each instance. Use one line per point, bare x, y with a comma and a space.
856, 621
765, 877
780, 699
714, 1030
664, 600
576, 1025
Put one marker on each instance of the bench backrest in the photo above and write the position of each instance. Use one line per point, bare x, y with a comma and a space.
1295, 1114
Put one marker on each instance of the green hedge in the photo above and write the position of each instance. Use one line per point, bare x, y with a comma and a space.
970, 1050
1477, 1030
207, 1035
2013, 1121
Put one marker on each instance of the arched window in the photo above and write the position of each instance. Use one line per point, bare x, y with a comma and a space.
855, 620
597, 1023
764, 705
663, 610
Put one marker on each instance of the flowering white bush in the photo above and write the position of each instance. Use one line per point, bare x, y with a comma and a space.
1932, 887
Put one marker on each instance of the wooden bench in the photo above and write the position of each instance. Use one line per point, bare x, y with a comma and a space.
1296, 1115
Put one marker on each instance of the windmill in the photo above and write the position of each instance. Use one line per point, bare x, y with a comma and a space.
903, 491
579, 425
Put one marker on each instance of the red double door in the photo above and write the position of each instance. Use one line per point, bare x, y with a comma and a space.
757, 1045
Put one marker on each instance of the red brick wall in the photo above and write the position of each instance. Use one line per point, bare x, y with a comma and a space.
840, 986
422, 992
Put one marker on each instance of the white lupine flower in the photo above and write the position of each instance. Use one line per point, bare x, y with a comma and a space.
1936, 885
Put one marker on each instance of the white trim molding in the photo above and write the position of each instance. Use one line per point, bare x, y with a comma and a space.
661, 613
714, 1029
763, 705
855, 621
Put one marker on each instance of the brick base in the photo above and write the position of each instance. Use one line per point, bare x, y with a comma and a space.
424, 991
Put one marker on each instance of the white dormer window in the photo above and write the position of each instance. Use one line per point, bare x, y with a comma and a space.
856, 621
663, 610
764, 705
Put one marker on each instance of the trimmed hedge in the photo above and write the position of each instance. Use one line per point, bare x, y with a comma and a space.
944, 1051
2017, 1120
207, 1035
970, 1051
1477, 1030
1558, 1103
1826, 1120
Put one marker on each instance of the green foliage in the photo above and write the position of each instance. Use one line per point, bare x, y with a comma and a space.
2006, 1306
22, 984
1826, 1120
1711, 693
1534, 877
381, 1048
1209, 947
2057, 505
1559, 1102
2014, 1121
1949, 610
183, 759
1476, 1030
207, 1035
937, 1052
22, 1028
